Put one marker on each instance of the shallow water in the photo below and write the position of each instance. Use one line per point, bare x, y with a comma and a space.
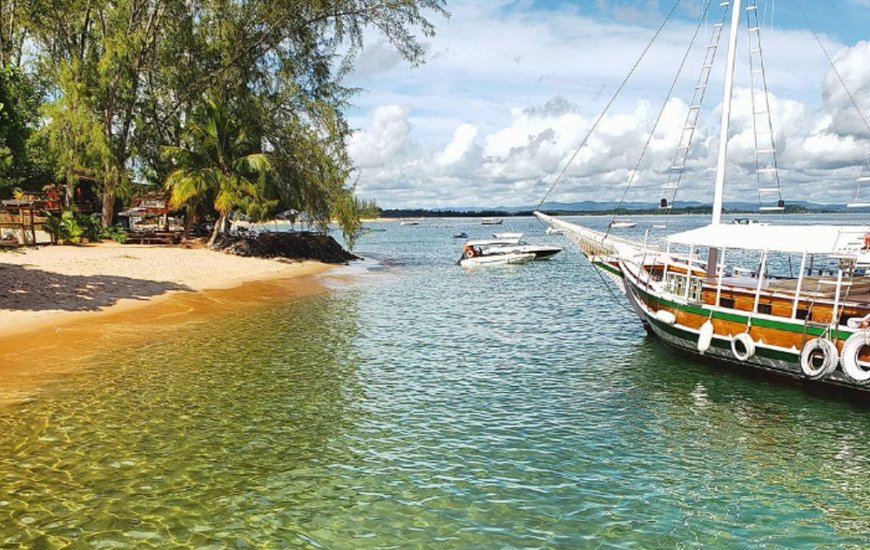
421, 405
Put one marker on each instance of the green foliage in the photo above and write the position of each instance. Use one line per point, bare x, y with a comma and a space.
65, 228
74, 228
21, 161
127, 78
218, 163
348, 211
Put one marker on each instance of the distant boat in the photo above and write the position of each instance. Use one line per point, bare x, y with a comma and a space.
516, 236
622, 224
462, 235
491, 221
660, 226
554, 231
747, 221
409, 222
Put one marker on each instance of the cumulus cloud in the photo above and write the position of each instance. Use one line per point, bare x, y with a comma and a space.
851, 64
384, 139
505, 102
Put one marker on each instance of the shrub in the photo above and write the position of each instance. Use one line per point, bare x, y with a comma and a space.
72, 228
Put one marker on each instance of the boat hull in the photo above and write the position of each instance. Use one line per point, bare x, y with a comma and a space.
491, 260
771, 359
538, 251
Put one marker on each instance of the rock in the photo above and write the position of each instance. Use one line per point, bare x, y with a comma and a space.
297, 245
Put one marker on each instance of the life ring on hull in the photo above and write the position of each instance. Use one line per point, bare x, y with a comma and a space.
849, 357
469, 254
705, 337
742, 346
819, 358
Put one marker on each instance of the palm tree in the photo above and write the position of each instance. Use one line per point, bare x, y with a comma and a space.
217, 163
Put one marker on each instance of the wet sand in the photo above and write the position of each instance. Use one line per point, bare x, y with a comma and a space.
59, 305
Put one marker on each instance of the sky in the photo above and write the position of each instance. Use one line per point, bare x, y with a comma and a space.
510, 90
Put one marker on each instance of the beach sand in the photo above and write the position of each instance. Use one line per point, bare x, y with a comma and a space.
59, 303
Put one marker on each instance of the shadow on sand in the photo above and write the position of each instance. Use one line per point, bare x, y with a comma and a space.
35, 290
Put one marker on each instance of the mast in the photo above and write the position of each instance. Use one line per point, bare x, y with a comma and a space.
726, 112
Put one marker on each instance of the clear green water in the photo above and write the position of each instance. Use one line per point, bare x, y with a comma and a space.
424, 406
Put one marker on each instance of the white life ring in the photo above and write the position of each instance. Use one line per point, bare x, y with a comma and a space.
469, 254
705, 337
748, 344
849, 357
815, 350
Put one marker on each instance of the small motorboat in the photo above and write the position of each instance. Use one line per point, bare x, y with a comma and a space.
554, 231
505, 247
747, 221
462, 235
516, 236
487, 260
491, 221
539, 250
622, 224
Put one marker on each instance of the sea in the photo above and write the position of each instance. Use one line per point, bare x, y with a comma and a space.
417, 404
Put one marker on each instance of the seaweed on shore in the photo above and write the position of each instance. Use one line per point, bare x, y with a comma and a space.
301, 245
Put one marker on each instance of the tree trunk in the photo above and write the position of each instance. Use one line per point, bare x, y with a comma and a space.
218, 229
189, 220
108, 205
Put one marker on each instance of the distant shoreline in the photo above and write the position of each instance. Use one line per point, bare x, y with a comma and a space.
393, 214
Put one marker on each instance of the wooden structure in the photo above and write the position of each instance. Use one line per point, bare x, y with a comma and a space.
21, 218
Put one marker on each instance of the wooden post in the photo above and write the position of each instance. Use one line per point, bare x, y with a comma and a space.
797, 290
760, 281
721, 272
32, 226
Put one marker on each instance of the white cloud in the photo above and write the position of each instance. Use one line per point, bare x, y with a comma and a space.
385, 138
851, 64
508, 95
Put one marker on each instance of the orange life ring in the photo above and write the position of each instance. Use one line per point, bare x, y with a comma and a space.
470, 253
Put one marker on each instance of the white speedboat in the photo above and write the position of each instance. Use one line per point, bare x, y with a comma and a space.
622, 224
516, 236
539, 250
491, 221
497, 247
747, 221
496, 259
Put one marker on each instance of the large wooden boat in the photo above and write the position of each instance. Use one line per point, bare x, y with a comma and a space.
794, 299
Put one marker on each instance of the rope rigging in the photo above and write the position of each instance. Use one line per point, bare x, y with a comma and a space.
632, 175
610, 102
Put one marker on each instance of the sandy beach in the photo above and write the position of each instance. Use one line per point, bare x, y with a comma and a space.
63, 302
54, 285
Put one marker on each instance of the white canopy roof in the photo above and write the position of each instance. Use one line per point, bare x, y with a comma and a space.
813, 239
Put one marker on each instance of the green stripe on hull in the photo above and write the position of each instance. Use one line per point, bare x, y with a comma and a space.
738, 318
760, 351
609, 268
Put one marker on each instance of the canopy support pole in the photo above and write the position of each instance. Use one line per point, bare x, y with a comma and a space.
797, 290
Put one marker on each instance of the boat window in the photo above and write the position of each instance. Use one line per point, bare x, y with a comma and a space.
765, 308
726, 302
802, 313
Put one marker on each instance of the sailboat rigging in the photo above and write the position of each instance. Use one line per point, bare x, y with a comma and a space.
812, 325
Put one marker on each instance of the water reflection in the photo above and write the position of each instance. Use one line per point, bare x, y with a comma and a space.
428, 406
219, 434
